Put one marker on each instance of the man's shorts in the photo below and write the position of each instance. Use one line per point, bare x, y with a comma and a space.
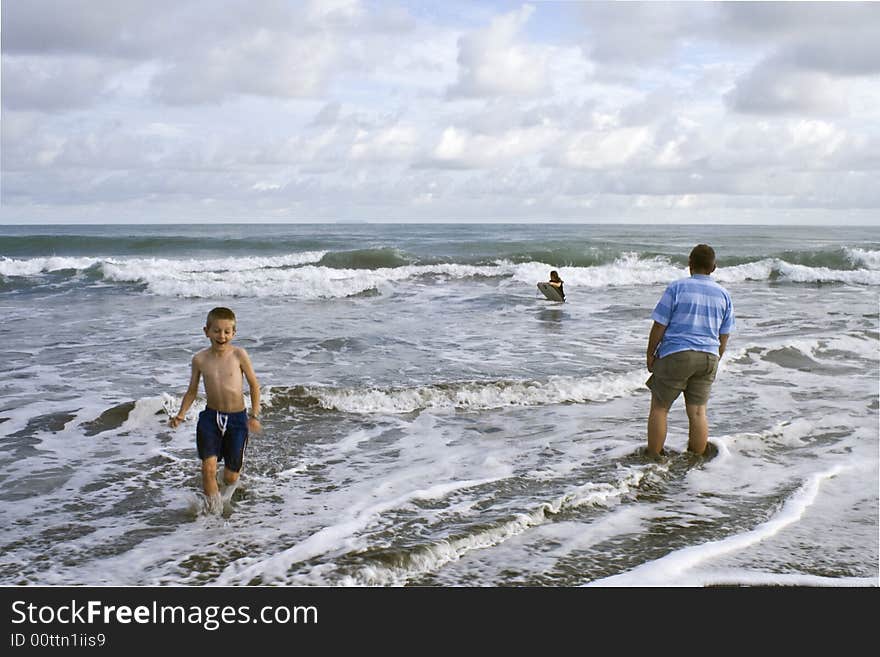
223, 435
691, 372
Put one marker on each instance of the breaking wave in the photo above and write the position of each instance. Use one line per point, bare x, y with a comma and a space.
329, 275
469, 395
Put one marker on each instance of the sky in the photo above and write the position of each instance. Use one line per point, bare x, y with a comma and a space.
193, 111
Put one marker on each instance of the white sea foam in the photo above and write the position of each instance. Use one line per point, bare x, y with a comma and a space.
629, 269
297, 275
765, 270
435, 556
35, 266
858, 349
804, 274
305, 282
672, 569
479, 395
126, 269
864, 258
275, 567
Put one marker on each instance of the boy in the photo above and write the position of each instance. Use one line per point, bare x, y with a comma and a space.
692, 322
223, 427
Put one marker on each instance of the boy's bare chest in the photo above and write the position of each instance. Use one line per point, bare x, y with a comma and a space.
222, 371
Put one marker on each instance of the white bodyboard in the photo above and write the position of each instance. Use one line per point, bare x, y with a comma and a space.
550, 292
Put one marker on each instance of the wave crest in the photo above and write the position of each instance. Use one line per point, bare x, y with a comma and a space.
323, 275
469, 395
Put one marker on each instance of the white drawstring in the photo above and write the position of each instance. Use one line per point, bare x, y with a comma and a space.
222, 419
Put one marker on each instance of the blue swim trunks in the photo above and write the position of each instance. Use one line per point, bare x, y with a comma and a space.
223, 435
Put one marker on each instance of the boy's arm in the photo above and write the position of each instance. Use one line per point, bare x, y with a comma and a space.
189, 396
248, 370
723, 340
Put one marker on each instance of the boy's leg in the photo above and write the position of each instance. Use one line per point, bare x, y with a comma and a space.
657, 426
229, 477
698, 428
209, 476
234, 442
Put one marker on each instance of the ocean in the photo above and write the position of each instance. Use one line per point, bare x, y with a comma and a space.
430, 419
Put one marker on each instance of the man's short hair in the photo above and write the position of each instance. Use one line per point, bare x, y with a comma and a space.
703, 258
219, 313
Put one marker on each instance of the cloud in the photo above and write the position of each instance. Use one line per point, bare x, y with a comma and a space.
396, 142
329, 114
605, 149
55, 84
460, 148
761, 22
82, 27
492, 62
456, 111
201, 55
773, 89
263, 63
811, 50
847, 54
643, 33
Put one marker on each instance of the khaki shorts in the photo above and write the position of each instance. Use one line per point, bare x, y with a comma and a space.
691, 372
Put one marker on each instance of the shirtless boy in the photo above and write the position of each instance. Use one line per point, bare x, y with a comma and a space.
223, 427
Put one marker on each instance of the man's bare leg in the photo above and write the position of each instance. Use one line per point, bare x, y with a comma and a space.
657, 427
698, 428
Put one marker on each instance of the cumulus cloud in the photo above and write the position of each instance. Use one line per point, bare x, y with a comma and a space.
329, 114
460, 148
811, 49
463, 111
82, 27
605, 149
54, 83
396, 142
642, 33
772, 89
276, 49
493, 62
793, 22
263, 63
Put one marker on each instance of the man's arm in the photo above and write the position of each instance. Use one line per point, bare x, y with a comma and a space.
657, 331
723, 340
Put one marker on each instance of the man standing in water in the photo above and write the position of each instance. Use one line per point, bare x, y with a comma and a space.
692, 322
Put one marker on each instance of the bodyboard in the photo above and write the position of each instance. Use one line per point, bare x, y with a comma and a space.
550, 292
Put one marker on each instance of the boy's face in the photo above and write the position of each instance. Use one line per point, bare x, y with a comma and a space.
220, 332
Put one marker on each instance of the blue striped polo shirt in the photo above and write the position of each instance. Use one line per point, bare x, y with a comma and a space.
694, 311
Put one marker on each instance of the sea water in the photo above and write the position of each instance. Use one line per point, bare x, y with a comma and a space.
429, 417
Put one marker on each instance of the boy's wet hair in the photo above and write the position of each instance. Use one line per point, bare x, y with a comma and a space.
219, 313
703, 257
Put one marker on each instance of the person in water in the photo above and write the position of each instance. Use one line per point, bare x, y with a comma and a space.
692, 322
557, 282
223, 427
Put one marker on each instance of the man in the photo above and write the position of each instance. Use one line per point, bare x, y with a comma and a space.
692, 322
